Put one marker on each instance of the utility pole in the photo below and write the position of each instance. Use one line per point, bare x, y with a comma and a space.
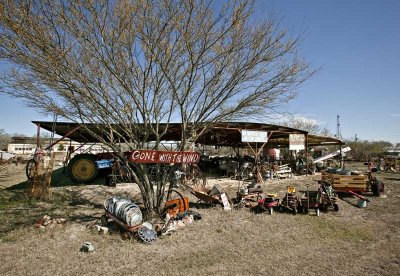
338, 132
339, 136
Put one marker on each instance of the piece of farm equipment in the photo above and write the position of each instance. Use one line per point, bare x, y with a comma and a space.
248, 195
290, 202
328, 197
311, 200
324, 199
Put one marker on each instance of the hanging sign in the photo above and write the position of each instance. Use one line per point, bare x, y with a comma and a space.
158, 156
296, 141
254, 136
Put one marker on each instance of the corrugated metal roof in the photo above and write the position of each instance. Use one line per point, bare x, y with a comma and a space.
220, 134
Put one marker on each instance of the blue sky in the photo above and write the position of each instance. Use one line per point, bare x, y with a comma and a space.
357, 45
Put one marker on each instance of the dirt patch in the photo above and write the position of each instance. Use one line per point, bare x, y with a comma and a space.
352, 241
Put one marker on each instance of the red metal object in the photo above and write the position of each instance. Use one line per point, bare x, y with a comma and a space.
121, 223
268, 202
62, 138
158, 156
357, 195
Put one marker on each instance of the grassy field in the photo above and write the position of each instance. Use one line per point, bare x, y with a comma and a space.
352, 241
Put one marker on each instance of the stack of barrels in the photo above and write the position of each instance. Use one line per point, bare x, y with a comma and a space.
124, 209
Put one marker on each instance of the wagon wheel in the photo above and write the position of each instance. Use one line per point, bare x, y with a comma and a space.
30, 168
121, 173
194, 177
376, 187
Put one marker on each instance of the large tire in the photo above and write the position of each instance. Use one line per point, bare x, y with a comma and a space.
82, 168
376, 188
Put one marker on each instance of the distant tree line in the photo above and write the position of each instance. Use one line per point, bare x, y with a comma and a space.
5, 139
362, 150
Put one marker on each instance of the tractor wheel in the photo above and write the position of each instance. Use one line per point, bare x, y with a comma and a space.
376, 187
82, 168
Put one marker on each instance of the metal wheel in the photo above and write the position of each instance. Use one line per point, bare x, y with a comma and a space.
30, 168
376, 187
173, 203
121, 174
82, 168
194, 177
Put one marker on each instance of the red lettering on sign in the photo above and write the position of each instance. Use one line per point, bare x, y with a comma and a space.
157, 156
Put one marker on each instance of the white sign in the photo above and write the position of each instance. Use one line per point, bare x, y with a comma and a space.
225, 201
296, 141
253, 136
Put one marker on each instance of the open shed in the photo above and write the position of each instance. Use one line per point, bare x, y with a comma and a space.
220, 134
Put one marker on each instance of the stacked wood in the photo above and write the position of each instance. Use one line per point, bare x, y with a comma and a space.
339, 182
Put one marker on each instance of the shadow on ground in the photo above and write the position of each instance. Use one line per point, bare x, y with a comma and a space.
60, 178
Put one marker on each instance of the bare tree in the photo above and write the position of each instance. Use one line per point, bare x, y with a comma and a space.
309, 125
5, 139
124, 62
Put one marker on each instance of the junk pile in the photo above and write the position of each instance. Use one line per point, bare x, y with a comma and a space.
216, 195
324, 199
248, 195
127, 216
49, 222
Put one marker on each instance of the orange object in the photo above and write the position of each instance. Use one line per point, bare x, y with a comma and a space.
176, 206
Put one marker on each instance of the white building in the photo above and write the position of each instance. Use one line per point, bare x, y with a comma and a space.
5, 155
27, 146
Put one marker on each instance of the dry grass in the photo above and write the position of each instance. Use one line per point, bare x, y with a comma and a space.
351, 242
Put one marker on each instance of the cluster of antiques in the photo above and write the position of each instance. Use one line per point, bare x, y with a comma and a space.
175, 212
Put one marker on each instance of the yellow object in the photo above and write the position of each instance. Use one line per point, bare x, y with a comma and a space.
84, 169
272, 195
291, 189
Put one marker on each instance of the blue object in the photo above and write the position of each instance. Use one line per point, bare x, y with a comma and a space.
104, 164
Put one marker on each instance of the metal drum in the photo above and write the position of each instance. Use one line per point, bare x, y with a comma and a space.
110, 203
120, 206
133, 215
124, 209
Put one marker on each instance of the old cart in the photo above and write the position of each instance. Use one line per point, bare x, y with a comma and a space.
324, 199
355, 182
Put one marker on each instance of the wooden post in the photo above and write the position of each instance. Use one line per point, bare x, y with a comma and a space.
38, 136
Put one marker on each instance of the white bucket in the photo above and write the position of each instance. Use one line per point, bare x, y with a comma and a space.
361, 203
